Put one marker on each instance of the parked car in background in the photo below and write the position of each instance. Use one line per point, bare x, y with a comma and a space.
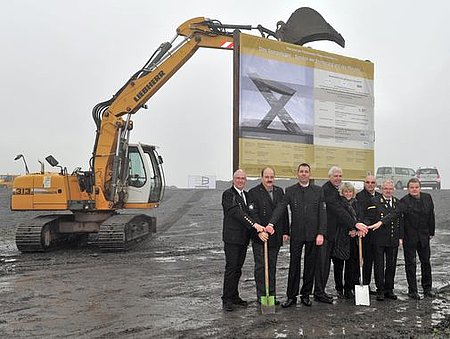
399, 175
429, 177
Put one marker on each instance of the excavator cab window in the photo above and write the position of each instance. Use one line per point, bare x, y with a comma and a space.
137, 176
156, 181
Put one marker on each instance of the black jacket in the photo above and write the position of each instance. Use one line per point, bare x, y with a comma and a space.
261, 208
364, 199
237, 224
392, 228
418, 218
342, 240
308, 214
335, 211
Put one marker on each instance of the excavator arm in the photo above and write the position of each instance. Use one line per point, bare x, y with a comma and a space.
109, 158
197, 32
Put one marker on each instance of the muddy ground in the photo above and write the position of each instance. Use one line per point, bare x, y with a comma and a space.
170, 286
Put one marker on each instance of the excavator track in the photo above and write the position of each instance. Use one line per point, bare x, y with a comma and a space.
40, 234
123, 231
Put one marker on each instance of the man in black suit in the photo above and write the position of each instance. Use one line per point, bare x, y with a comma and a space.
237, 226
419, 224
387, 232
364, 200
263, 200
335, 213
307, 229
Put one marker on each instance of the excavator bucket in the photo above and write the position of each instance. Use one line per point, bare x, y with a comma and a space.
307, 25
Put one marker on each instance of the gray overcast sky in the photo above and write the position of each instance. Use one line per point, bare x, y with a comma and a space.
60, 58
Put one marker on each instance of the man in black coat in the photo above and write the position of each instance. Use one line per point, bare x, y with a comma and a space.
335, 213
307, 229
364, 200
263, 200
387, 232
237, 226
419, 225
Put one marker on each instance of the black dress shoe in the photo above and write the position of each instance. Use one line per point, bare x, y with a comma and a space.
348, 294
340, 295
390, 295
414, 295
289, 302
306, 301
240, 302
380, 296
323, 299
371, 292
429, 294
227, 306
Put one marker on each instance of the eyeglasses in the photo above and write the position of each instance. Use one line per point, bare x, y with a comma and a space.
369, 182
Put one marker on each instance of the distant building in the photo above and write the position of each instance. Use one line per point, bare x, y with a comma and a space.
202, 181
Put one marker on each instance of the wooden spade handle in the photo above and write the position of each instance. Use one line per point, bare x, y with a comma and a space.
361, 259
266, 267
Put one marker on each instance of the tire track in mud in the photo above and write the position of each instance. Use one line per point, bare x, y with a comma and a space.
175, 215
85, 256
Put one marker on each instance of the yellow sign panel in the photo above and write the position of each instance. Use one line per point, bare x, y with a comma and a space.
285, 157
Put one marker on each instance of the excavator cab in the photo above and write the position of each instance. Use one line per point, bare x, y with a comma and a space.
146, 176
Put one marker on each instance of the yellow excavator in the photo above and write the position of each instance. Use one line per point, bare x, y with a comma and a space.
121, 175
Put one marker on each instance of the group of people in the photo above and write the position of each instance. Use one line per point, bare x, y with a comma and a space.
327, 223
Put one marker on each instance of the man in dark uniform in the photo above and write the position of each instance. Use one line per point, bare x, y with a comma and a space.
364, 199
387, 232
237, 226
419, 224
335, 213
263, 200
307, 229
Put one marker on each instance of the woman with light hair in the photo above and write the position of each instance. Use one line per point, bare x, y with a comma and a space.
347, 187
346, 250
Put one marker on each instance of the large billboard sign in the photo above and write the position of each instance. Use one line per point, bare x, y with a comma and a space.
295, 104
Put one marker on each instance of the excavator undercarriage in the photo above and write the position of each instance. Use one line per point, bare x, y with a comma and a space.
117, 232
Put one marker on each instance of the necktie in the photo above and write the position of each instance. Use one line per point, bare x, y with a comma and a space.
388, 201
271, 195
243, 197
